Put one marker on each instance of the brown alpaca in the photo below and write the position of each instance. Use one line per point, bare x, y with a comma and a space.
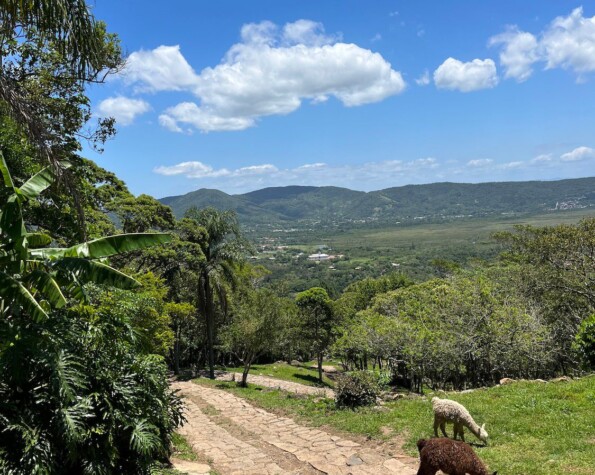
450, 456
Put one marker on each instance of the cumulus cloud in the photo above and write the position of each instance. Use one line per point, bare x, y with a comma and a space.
123, 109
568, 42
270, 72
519, 52
424, 79
579, 153
480, 162
161, 69
466, 77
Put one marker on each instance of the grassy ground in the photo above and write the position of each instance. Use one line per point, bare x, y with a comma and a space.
182, 450
303, 374
535, 428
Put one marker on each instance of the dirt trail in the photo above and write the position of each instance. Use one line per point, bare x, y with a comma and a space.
274, 383
238, 438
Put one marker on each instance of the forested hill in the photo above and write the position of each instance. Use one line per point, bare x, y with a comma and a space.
411, 202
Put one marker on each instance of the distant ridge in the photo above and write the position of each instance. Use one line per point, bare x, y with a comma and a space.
409, 202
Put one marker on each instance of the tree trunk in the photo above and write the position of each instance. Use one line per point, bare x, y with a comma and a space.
210, 316
320, 367
177, 352
244, 382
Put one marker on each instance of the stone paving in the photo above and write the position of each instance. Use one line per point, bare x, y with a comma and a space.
288, 386
306, 448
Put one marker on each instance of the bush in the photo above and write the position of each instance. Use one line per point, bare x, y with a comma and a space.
585, 342
359, 388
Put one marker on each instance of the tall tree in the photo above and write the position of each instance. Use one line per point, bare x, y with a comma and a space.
223, 248
50, 50
317, 321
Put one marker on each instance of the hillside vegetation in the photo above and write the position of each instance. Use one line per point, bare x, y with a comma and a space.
432, 202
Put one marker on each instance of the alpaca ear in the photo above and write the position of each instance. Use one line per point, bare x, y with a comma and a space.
483, 427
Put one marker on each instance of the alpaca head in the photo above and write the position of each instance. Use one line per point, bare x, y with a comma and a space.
483, 435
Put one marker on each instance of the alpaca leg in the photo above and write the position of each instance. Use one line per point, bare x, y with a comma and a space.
443, 428
462, 433
436, 424
426, 469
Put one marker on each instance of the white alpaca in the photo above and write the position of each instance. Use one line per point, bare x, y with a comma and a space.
452, 412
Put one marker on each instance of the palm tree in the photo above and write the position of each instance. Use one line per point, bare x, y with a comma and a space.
223, 248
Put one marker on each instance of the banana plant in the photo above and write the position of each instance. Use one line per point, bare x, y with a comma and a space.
35, 278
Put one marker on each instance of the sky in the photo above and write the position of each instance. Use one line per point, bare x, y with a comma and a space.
238, 95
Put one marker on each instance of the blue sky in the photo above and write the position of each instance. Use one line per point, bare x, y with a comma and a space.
240, 95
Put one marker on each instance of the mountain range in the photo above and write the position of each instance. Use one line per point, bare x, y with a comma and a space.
329, 204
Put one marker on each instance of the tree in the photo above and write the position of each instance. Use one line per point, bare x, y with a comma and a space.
555, 271
222, 247
33, 280
255, 327
316, 321
50, 50
109, 411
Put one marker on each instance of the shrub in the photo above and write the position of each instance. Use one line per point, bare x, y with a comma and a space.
359, 388
585, 342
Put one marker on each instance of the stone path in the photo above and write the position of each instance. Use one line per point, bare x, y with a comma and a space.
238, 438
288, 386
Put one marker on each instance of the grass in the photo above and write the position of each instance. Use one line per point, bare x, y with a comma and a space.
535, 428
182, 450
302, 374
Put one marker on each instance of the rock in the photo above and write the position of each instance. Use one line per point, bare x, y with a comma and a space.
295, 363
394, 396
504, 381
540, 381
354, 460
467, 391
560, 379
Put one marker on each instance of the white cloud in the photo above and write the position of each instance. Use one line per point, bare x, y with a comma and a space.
161, 69
466, 77
270, 72
265, 169
123, 109
424, 79
252, 176
311, 166
568, 42
579, 153
169, 123
192, 170
518, 53
376, 37
480, 162
512, 165
201, 118
429, 162
543, 158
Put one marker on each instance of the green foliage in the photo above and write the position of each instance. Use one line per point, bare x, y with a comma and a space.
146, 309
142, 213
356, 389
255, 327
316, 322
51, 51
585, 342
556, 272
78, 395
222, 249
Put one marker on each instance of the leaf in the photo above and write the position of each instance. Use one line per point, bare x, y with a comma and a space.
14, 293
84, 271
47, 286
5, 173
38, 239
105, 247
39, 182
